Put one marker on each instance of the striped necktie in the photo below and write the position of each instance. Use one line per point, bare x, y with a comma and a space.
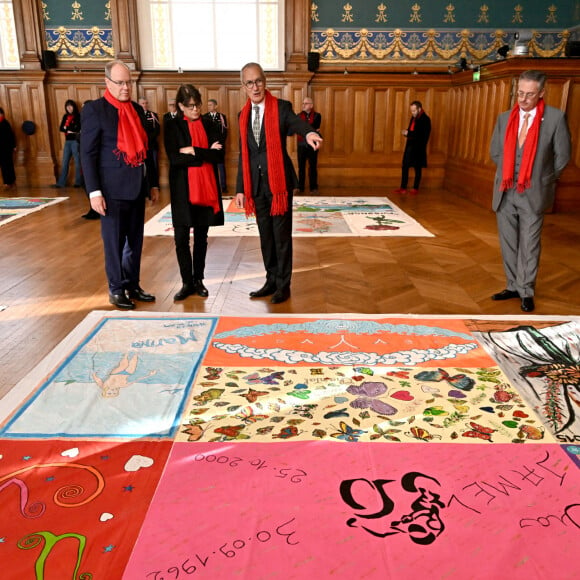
256, 124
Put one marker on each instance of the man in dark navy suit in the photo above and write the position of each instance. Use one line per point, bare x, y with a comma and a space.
115, 167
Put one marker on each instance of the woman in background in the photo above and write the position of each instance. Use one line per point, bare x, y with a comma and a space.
194, 151
70, 126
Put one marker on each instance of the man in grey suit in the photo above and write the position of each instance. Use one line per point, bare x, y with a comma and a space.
530, 146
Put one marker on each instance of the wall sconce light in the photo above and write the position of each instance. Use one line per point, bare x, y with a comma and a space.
522, 42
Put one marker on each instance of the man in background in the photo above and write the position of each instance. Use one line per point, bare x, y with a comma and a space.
530, 146
220, 123
114, 148
415, 154
307, 155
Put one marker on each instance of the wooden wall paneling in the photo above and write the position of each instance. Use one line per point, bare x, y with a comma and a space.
125, 27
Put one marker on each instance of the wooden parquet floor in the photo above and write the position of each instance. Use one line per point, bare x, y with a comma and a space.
53, 275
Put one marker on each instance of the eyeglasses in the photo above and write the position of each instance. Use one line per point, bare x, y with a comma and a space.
252, 84
526, 95
192, 106
120, 83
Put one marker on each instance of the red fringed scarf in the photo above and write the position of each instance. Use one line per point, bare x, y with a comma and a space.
529, 153
131, 136
201, 180
276, 174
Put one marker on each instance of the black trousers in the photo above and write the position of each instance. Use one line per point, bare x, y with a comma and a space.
7, 165
191, 265
275, 237
405, 176
307, 155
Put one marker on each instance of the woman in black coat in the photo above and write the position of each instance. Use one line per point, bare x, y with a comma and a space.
194, 152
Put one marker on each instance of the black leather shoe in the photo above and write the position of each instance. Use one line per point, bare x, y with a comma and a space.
121, 301
186, 290
200, 289
140, 294
91, 215
266, 290
505, 295
528, 304
280, 296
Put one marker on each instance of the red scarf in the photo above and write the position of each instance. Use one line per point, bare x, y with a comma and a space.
413, 119
201, 179
131, 136
276, 174
68, 122
529, 153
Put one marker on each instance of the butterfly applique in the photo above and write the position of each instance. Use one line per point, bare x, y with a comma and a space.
348, 433
247, 415
213, 373
364, 371
232, 431
479, 431
460, 381
286, 433
271, 379
252, 396
366, 393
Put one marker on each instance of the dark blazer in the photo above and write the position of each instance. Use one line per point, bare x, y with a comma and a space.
289, 124
175, 136
416, 147
552, 155
71, 132
102, 168
221, 126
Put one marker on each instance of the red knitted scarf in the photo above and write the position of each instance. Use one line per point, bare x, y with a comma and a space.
529, 153
131, 136
201, 179
276, 174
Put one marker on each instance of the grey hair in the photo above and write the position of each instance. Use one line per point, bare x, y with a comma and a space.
251, 65
534, 75
109, 66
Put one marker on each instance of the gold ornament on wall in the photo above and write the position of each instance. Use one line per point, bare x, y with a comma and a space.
517, 17
483, 16
552, 14
108, 11
45, 14
346, 15
76, 14
449, 17
314, 12
382, 15
415, 16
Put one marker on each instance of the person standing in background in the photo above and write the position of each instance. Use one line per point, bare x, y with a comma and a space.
153, 129
530, 146
7, 149
266, 176
117, 172
171, 111
221, 124
193, 148
70, 125
415, 155
305, 153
